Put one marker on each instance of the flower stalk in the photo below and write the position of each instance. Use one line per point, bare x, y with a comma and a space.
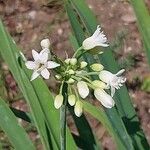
63, 117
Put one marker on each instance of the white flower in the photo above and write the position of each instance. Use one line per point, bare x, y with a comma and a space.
45, 43
105, 99
97, 39
58, 101
78, 108
83, 89
40, 65
115, 81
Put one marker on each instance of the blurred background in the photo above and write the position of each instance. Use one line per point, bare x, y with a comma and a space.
29, 21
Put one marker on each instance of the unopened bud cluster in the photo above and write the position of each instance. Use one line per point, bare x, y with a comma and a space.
77, 74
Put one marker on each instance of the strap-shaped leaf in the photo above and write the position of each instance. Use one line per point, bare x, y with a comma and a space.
13, 130
37, 94
143, 20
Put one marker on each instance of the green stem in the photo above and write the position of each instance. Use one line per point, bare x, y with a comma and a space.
82, 54
90, 73
74, 55
63, 118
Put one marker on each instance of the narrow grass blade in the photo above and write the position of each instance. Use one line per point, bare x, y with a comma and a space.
37, 94
143, 20
13, 130
122, 98
84, 130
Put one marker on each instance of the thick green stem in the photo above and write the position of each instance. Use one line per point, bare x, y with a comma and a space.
63, 118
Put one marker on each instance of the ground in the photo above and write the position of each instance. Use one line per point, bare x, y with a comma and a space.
29, 21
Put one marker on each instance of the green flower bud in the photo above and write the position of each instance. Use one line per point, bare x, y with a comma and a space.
58, 101
70, 81
72, 99
97, 67
83, 64
58, 76
78, 109
67, 61
71, 72
73, 61
99, 84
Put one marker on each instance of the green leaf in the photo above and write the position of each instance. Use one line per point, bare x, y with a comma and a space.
37, 94
100, 115
143, 20
13, 130
84, 130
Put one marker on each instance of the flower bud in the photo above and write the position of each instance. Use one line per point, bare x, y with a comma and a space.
105, 99
78, 109
45, 43
99, 84
97, 67
83, 89
58, 76
58, 101
70, 81
73, 61
71, 72
83, 64
67, 61
72, 99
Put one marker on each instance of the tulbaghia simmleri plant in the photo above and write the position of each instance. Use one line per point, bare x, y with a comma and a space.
73, 72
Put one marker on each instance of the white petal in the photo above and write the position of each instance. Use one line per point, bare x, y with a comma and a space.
43, 57
83, 89
88, 43
35, 55
31, 65
120, 72
106, 76
46, 50
45, 73
52, 64
34, 75
112, 91
102, 44
105, 99
97, 32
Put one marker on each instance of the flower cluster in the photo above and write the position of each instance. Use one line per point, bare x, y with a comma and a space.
41, 62
74, 73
